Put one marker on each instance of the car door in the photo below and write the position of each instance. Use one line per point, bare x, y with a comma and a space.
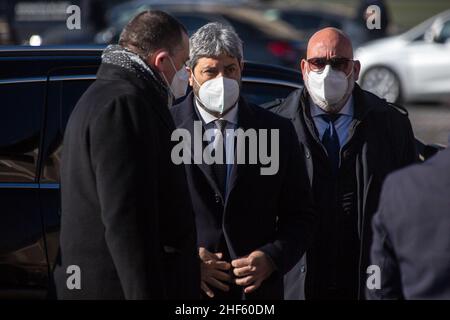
66, 85
23, 263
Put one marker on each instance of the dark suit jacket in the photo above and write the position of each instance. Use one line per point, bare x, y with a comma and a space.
411, 231
127, 219
272, 213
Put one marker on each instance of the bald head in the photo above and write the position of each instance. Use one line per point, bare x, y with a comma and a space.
329, 42
330, 47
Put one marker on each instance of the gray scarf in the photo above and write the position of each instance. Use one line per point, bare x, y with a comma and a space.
124, 58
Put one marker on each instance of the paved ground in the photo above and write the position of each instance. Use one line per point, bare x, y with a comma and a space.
431, 123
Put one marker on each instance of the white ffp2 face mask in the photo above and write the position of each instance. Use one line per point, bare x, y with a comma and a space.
328, 87
180, 81
218, 95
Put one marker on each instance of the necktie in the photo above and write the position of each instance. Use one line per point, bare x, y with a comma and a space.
330, 141
220, 169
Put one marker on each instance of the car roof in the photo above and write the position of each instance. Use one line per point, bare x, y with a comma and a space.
253, 69
21, 50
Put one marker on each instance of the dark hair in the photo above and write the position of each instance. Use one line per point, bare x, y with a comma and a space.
152, 30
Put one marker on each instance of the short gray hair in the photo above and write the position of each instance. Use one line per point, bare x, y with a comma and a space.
212, 40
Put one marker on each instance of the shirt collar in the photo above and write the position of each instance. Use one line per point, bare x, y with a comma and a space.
347, 110
230, 116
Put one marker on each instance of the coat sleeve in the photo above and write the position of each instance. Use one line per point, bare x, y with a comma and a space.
404, 140
127, 202
382, 252
296, 218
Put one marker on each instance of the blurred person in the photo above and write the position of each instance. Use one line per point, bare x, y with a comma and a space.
127, 219
251, 227
411, 242
351, 140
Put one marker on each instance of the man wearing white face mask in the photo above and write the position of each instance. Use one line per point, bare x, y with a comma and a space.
180, 80
351, 140
252, 228
127, 218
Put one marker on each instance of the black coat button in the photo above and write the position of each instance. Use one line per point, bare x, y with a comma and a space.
217, 197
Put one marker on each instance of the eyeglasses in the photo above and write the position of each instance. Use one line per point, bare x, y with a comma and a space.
318, 64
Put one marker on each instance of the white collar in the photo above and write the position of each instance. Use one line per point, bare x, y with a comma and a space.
347, 110
230, 116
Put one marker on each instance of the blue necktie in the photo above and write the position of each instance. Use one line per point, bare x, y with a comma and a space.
330, 141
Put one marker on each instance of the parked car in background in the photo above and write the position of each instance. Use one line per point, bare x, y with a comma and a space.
413, 66
309, 19
37, 22
264, 41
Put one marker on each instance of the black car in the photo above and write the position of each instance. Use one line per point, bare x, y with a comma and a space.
38, 89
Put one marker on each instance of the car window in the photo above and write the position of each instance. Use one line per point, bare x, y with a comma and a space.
62, 98
445, 32
63, 95
20, 123
23, 267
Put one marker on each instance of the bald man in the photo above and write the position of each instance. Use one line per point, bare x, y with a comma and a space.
351, 140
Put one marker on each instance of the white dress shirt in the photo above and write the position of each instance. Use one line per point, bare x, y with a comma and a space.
232, 123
